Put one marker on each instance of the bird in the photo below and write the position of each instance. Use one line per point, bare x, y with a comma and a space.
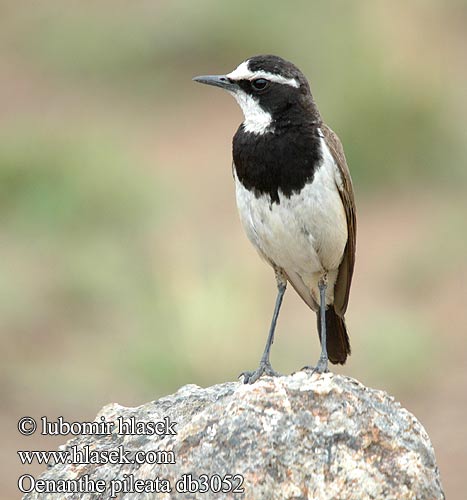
295, 197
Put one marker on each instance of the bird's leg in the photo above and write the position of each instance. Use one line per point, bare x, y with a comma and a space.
265, 368
322, 365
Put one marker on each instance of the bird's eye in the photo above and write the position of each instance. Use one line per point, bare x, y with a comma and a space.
260, 84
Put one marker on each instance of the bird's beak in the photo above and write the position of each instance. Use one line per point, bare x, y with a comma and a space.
221, 81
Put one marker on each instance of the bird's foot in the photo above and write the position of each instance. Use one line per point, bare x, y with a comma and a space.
264, 368
321, 366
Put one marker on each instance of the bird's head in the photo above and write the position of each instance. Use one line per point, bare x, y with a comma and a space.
269, 90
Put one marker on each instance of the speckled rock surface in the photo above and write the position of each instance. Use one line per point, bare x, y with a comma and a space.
302, 436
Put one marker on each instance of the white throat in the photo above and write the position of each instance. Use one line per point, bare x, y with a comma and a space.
257, 120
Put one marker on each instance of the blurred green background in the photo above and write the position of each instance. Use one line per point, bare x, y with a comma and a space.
124, 272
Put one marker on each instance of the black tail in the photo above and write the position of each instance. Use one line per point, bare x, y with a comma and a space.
338, 345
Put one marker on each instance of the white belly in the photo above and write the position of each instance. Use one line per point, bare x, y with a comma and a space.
305, 233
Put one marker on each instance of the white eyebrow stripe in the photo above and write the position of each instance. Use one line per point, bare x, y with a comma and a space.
243, 73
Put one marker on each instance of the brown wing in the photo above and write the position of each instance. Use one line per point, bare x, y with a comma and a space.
344, 278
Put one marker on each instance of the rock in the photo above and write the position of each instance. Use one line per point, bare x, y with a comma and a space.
297, 437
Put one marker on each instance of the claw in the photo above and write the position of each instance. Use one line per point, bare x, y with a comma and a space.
321, 367
250, 377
